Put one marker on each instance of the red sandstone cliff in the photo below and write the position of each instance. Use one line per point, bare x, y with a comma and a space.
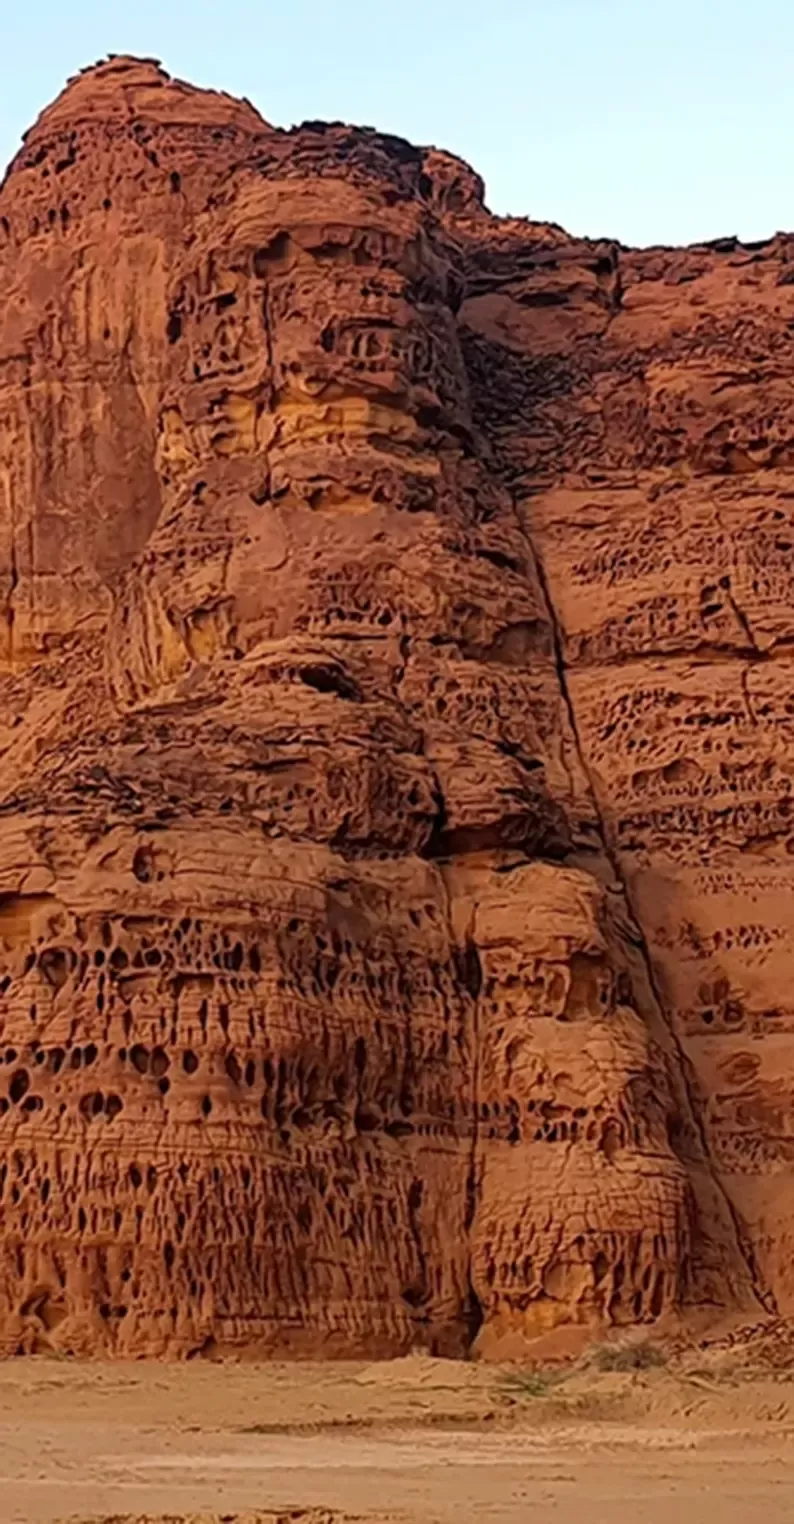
396, 749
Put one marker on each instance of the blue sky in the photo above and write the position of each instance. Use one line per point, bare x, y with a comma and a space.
646, 120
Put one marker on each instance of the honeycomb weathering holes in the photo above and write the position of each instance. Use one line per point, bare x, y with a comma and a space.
393, 671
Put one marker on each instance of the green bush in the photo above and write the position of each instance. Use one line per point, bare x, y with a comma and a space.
628, 1357
528, 1383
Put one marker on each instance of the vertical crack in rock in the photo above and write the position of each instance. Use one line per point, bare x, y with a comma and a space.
764, 1296
471, 972
742, 621
13, 582
469, 987
472, 980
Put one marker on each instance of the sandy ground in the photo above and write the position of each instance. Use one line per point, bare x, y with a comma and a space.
418, 1440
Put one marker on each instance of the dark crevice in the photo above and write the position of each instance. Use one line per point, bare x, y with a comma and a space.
434, 847
469, 978
472, 980
13, 580
417, 1295
328, 679
471, 969
764, 1296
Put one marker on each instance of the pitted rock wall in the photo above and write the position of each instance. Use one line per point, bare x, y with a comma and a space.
360, 877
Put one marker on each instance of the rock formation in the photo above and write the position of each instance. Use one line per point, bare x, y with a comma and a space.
397, 751
271, 1516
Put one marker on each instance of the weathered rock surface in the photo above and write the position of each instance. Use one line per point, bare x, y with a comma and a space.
397, 750
270, 1516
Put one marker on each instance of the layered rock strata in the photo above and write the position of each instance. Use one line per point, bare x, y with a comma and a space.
395, 750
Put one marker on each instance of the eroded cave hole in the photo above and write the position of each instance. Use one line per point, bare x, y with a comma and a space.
143, 865
20, 1084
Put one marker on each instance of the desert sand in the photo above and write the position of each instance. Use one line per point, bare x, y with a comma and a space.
707, 1435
